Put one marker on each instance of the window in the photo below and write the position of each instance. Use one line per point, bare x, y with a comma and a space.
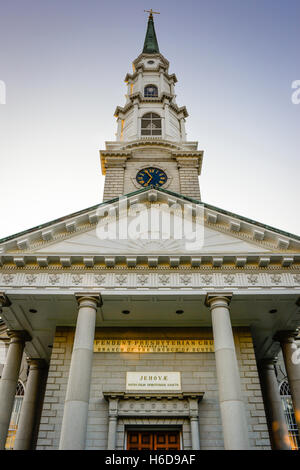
151, 124
287, 404
15, 416
150, 91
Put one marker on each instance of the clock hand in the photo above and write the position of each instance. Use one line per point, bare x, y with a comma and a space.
148, 174
149, 179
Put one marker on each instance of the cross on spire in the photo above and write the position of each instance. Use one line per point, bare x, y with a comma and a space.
151, 12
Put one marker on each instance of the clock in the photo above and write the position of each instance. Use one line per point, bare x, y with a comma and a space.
151, 177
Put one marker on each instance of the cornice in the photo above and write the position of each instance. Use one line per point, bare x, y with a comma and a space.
201, 261
150, 56
152, 141
132, 76
141, 99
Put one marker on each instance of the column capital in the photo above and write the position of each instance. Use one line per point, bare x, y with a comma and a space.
267, 363
17, 336
224, 296
286, 336
36, 363
194, 417
4, 300
89, 299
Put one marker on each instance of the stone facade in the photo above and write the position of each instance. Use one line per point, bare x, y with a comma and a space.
108, 375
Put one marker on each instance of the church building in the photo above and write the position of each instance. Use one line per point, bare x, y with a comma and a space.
152, 320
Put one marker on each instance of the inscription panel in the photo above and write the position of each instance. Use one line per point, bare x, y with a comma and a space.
154, 345
153, 381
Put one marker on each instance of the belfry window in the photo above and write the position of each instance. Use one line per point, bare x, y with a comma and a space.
289, 414
150, 91
151, 124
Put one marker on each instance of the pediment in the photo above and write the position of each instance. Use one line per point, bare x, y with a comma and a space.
83, 233
90, 242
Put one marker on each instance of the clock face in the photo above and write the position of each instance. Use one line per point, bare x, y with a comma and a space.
151, 177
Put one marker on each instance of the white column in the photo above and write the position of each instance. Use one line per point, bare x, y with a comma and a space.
30, 405
135, 121
74, 424
119, 121
235, 429
167, 119
274, 410
9, 380
182, 129
292, 367
140, 83
161, 82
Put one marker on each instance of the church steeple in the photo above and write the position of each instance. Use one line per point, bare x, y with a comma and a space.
151, 143
150, 44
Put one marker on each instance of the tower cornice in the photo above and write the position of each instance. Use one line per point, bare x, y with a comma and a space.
133, 76
150, 56
141, 99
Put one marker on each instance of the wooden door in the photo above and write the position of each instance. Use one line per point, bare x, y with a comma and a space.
153, 440
166, 440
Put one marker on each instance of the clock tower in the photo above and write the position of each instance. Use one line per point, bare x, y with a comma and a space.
151, 146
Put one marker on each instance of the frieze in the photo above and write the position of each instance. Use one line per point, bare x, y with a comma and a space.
159, 279
154, 406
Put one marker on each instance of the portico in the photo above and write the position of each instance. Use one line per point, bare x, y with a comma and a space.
95, 317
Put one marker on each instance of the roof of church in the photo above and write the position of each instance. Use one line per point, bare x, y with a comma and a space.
171, 193
150, 44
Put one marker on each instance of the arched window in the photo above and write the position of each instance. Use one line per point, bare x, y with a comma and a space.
15, 416
150, 91
289, 414
151, 124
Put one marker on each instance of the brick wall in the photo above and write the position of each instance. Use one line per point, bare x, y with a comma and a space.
198, 373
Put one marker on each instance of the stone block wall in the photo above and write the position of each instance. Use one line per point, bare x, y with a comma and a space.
189, 182
114, 183
198, 373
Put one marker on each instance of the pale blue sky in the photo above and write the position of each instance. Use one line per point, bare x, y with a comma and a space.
64, 62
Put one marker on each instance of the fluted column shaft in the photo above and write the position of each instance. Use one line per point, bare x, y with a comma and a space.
273, 406
235, 428
30, 406
74, 424
9, 380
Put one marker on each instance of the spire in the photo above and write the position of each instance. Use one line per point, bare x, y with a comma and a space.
151, 44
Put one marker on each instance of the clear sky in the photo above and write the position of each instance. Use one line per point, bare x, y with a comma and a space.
64, 61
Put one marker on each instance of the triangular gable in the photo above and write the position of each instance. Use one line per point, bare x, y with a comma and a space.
78, 233
90, 243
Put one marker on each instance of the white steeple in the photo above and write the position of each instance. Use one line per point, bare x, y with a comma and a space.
150, 109
151, 131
